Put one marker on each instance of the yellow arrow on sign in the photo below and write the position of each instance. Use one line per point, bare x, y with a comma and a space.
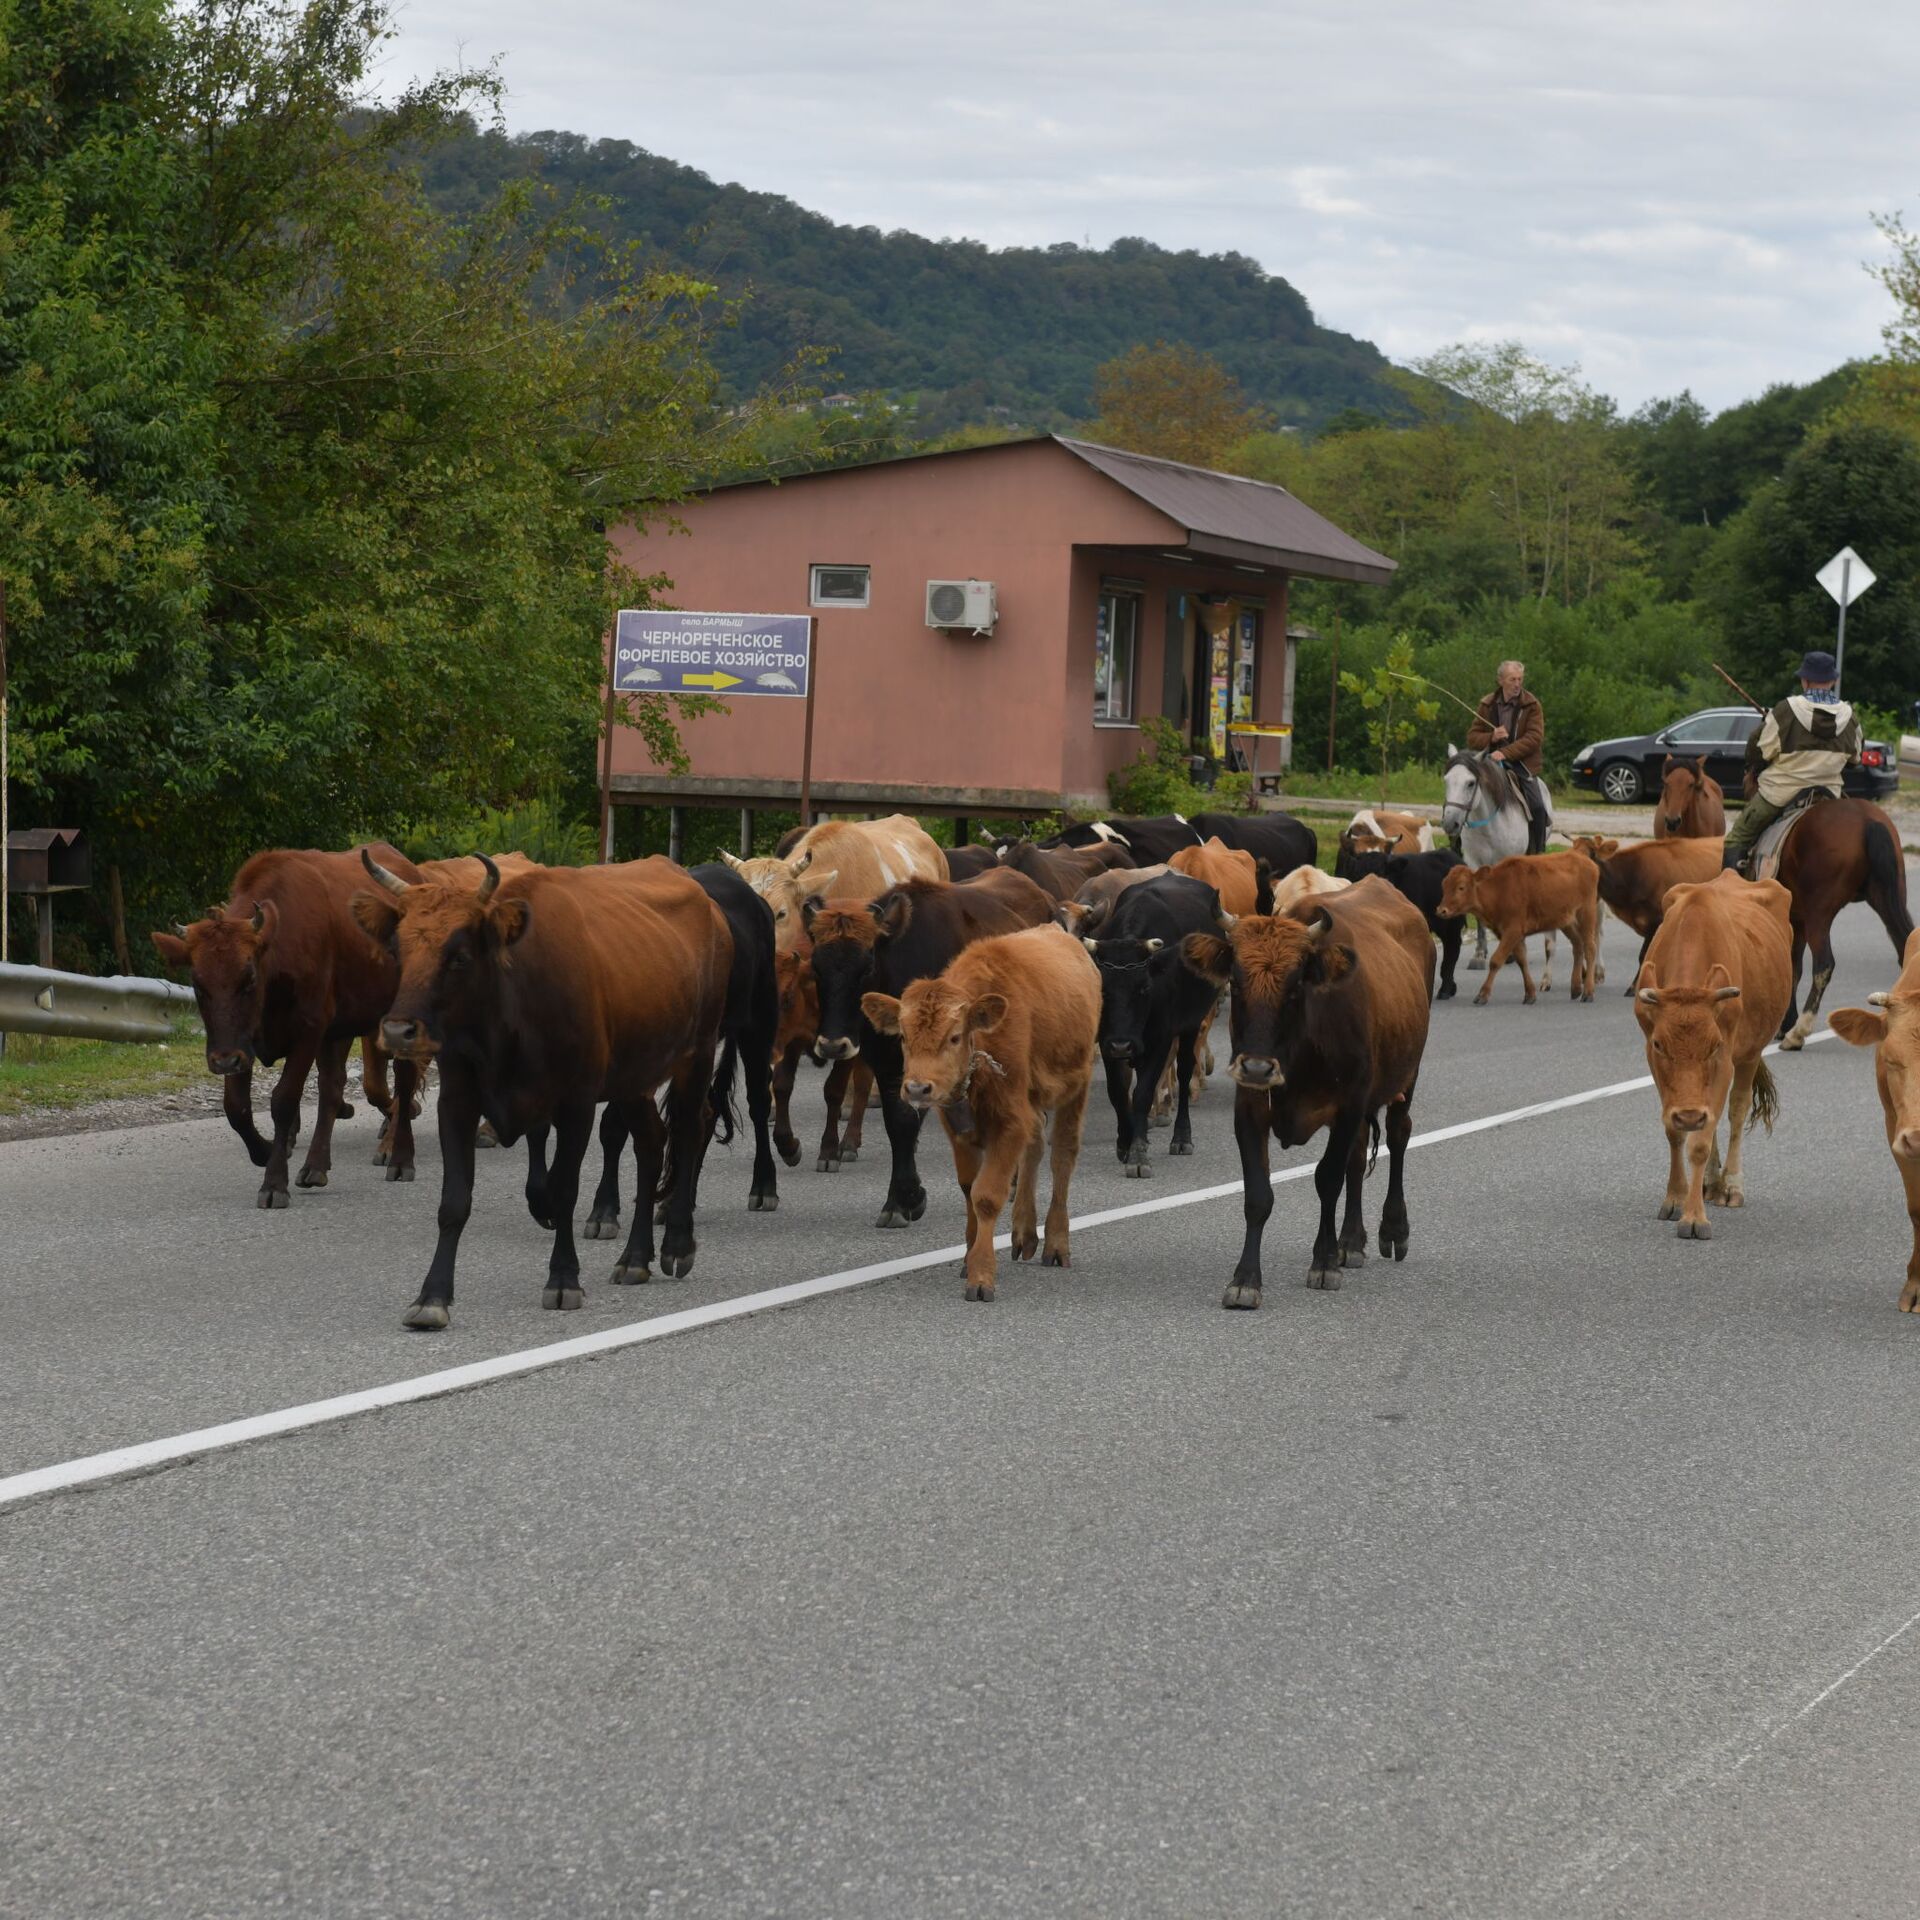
714, 680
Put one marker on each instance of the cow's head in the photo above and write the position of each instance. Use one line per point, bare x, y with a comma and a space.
1456, 893
1890, 1023
942, 1033
847, 936
799, 1003
229, 955
1133, 972
450, 942
1275, 964
784, 884
1690, 1032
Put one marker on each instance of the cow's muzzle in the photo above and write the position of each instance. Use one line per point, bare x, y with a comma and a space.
1255, 1071
1687, 1119
917, 1093
229, 1062
1118, 1049
1906, 1144
837, 1048
407, 1040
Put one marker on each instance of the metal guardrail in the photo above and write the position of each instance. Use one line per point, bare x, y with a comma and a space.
119, 1007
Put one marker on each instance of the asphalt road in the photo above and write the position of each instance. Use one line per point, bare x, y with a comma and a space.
1508, 1581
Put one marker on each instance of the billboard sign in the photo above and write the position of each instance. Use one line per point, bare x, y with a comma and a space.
731, 654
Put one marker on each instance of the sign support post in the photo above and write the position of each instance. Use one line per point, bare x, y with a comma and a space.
1840, 645
1846, 577
806, 749
606, 761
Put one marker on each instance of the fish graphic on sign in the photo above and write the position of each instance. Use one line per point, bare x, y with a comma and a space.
784, 681
639, 676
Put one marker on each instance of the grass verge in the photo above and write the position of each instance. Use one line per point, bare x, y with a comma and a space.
46, 1071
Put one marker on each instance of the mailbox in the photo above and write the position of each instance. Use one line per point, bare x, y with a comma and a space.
43, 860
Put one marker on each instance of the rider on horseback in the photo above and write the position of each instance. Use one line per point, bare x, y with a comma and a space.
1511, 724
1807, 741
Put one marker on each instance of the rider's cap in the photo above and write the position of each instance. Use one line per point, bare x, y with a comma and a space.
1820, 668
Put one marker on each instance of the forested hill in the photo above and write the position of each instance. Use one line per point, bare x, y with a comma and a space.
964, 328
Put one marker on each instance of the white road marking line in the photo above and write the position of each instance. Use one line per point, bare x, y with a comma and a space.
149, 1455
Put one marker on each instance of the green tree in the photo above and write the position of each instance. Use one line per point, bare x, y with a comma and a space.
1389, 695
1172, 402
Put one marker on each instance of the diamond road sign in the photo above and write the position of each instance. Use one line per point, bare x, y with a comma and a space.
1859, 576
732, 654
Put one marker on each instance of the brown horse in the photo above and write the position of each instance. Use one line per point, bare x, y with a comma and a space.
1842, 851
1692, 806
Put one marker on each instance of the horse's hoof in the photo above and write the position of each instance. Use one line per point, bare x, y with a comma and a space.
1241, 1299
1447, 991
563, 1299
1476, 965
763, 1203
1480, 998
399, 1173
1179, 1147
600, 1226
1791, 1043
426, 1316
980, 1290
311, 1177
1325, 1279
788, 1150
676, 1266
625, 1276
343, 1111
1694, 1230
271, 1199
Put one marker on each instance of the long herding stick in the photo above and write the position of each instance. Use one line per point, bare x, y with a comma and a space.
1425, 682
1736, 686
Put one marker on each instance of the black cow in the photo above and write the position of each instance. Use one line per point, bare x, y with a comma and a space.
883, 946
747, 1029
1151, 1005
1277, 838
1148, 841
1419, 878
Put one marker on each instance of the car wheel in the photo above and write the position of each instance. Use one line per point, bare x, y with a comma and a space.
1620, 782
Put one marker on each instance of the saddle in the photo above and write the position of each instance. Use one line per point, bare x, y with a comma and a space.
1763, 863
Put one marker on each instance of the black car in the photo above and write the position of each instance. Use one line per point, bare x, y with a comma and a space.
1629, 770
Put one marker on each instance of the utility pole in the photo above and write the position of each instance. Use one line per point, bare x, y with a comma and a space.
1333, 690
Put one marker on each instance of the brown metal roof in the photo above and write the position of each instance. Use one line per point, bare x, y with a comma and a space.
1239, 519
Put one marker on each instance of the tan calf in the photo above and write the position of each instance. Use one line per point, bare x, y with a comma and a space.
1302, 884
1526, 894
858, 858
1002, 1039
1713, 991
1890, 1024
1229, 871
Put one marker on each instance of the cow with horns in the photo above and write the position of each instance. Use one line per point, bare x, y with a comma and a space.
282, 972
541, 995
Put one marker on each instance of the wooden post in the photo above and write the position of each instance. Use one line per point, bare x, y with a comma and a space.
117, 907
806, 750
43, 919
606, 754
676, 831
962, 827
1333, 693
746, 833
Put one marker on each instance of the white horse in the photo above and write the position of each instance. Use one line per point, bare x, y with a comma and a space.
1488, 822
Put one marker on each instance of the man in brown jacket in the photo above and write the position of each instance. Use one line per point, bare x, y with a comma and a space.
1511, 726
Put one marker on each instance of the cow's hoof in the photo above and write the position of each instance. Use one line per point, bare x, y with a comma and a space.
1025, 1246
624, 1276
540, 1220
1056, 1257
271, 1199
1241, 1299
982, 1290
1792, 1043
1910, 1298
600, 1226
1479, 999
1694, 1230
1353, 1256
788, 1150
380, 1158
763, 1203
1394, 1246
311, 1177
1447, 991
344, 1111
676, 1266
848, 1155
1669, 1210
399, 1173
426, 1316
1477, 964
1139, 1170
827, 1163
916, 1207
1180, 1147
259, 1152
563, 1299
1325, 1279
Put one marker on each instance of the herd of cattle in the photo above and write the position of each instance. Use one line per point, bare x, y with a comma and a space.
986, 984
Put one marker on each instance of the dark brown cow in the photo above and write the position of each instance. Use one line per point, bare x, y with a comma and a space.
1087, 912
1060, 872
1635, 879
1000, 1044
541, 996
1329, 1020
882, 946
283, 972
849, 1083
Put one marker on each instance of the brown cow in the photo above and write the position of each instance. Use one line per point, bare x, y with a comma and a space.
1710, 997
1531, 893
1634, 878
282, 972
1228, 871
1691, 805
1086, 913
998, 1043
541, 996
1060, 872
1329, 1022
1890, 1024
848, 1085
856, 858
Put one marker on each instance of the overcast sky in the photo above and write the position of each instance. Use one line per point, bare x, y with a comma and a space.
1673, 195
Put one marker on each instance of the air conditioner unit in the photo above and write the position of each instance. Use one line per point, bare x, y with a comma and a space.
967, 604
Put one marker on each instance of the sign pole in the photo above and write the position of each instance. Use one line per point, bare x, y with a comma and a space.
606, 758
806, 750
1333, 692
5, 874
1840, 645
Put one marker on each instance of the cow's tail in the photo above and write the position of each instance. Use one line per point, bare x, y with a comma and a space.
720, 1101
1373, 1137
1766, 1099
1887, 884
